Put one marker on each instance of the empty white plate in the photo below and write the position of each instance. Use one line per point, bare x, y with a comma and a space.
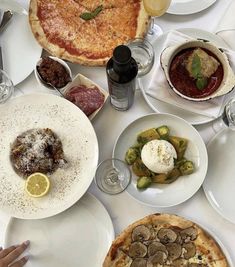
185, 7
80, 236
20, 51
219, 184
166, 195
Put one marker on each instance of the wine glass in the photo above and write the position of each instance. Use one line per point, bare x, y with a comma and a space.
143, 53
6, 87
155, 8
227, 119
112, 176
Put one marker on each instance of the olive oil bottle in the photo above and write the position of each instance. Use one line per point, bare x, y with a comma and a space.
121, 73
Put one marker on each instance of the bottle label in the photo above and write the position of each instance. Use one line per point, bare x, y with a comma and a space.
122, 95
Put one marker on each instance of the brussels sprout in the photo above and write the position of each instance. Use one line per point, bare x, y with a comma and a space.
187, 168
143, 182
178, 163
140, 169
131, 155
180, 145
163, 131
147, 136
159, 178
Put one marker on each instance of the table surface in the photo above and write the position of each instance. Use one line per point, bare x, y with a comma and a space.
109, 123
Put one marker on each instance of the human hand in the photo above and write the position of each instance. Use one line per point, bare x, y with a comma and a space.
9, 255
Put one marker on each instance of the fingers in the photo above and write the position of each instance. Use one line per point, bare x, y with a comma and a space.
13, 255
20, 262
5, 252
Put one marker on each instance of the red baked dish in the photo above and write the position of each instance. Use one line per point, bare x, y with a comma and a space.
197, 70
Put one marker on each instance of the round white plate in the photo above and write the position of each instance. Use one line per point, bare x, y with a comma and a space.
159, 106
185, 7
79, 144
20, 51
220, 183
80, 236
184, 187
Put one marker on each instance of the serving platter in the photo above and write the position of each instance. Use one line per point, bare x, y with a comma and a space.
20, 50
80, 147
219, 183
80, 236
186, 7
166, 195
160, 106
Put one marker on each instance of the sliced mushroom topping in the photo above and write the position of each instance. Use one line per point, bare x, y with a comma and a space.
174, 251
188, 234
139, 262
156, 246
158, 258
178, 263
141, 233
137, 250
166, 235
197, 265
189, 250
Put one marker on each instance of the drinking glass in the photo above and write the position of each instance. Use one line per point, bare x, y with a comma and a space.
143, 53
155, 8
227, 119
6, 87
112, 176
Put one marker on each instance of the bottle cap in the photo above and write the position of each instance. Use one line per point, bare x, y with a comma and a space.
122, 54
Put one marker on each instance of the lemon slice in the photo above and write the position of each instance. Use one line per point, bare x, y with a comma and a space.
156, 7
37, 184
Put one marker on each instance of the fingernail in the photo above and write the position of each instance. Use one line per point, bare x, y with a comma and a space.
26, 243
26, 257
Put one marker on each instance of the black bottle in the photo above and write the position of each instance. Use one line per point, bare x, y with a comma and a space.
121, 73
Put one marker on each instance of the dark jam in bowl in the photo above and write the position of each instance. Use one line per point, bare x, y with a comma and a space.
52, 72
185, 84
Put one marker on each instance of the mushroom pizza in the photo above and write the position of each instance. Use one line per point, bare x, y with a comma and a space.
164, 240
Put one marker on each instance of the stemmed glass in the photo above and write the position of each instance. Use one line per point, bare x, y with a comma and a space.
227, 119
112, 176
155, 8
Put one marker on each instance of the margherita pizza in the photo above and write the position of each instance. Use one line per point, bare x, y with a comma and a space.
86, 31
164, 240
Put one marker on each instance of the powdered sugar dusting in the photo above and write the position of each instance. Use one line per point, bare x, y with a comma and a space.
80, 149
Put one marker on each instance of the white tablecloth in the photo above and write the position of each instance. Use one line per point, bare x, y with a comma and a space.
109, 123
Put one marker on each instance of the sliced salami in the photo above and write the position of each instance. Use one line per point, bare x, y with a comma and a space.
88, 99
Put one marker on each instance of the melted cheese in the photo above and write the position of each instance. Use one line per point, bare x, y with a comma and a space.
209, 64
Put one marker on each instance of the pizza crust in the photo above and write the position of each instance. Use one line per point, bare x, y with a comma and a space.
68, 50
204, 242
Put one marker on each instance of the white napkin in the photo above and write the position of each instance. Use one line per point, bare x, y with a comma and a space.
158, 87
226, 26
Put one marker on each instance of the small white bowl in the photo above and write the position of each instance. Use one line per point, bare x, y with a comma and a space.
62, 62
82, 80
228, 81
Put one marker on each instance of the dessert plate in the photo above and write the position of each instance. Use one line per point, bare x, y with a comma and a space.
166, 195
80, 236
159, 106
80, 148
220, 183
20, 51
185, 7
